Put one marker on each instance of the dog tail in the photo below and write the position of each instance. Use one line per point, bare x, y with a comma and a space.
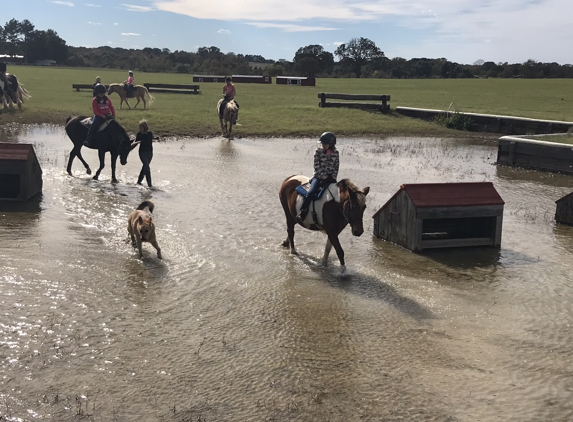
148, 204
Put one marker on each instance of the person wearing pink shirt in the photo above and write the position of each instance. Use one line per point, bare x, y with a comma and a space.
128, 84
102, 108
228, 95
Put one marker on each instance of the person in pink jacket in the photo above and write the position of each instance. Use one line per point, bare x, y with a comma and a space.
102, 108
228, 95
128, 84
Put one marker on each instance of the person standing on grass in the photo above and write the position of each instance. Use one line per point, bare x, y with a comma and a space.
229, 93
144, 139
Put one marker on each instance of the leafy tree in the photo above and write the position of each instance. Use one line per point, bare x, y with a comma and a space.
307, 66
46, 45
358, 52
325, 59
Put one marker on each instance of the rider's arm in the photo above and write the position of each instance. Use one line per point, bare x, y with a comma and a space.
111, 109
335, 163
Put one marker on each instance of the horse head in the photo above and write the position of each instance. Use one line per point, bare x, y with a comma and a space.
353, 202
123, 141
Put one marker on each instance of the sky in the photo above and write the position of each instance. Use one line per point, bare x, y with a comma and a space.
461, 31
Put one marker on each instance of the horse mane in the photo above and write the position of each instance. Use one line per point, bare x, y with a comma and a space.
349, 185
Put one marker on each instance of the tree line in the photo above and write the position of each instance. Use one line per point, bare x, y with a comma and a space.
358, 58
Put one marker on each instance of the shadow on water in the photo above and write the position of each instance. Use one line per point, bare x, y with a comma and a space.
369, 287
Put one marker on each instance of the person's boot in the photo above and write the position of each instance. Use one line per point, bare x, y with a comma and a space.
88, 141
301, 215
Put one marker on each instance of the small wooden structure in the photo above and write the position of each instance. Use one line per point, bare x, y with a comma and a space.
77, 87
294, 80
172, 88
441, 215
564, 210
539, 155
382, 105
209, 78
20, 172
252, 79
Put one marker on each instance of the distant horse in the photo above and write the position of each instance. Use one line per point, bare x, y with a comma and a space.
229, 117
139, 91
113, 139
341, 204
13, 92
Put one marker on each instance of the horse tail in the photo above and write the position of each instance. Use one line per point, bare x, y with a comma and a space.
147, 204
23, 93
151, 99
68, 119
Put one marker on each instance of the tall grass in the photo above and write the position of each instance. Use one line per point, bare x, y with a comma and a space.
281, 110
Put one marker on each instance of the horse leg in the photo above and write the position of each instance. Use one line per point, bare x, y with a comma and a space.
101, 155
113, 163
76, 152
333, 240
230, 129
135, 106
223, 127
144, 104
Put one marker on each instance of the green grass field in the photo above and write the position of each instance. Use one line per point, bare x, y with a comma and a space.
280, 110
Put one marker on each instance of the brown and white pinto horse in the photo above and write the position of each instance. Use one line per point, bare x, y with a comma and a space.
342, 204
12, 91
229, 117
139, 91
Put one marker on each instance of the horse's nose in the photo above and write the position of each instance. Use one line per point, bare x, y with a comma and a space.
358, 232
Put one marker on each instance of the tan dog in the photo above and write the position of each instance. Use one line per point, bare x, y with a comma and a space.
141, 228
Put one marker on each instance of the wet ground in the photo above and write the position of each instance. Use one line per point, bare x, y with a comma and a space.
230, 327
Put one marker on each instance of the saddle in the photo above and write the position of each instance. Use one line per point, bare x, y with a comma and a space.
304, 188
87, 122
129, 91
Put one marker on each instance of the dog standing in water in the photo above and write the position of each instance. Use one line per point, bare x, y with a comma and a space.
141, 228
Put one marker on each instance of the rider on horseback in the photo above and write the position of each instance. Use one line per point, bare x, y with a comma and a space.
228, 95
103, 109
3, 81
128, 84
326, 164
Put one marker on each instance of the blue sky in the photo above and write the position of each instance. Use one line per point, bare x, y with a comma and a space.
459, 30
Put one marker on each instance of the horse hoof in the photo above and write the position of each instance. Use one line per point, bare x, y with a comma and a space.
95, 178
88, 171
114, 181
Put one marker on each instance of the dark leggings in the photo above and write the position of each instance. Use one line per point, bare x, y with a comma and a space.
145, 157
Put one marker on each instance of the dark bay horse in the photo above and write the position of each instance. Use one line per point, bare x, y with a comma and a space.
12, 92
341, 204
139, 91
229, 117
113, 139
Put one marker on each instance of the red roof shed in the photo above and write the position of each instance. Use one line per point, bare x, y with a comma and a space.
20, 172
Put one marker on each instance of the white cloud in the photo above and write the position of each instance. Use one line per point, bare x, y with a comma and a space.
224, 31
94, 23
136, 8
115, 23
63, 3
130, 34
91, 5
290, 27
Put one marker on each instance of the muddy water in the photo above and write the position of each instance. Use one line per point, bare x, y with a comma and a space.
230, 327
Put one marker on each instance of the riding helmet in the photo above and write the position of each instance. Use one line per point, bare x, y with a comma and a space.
327, 138
99, 88
130, 72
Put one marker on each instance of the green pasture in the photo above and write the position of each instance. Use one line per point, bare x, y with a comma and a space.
280, 110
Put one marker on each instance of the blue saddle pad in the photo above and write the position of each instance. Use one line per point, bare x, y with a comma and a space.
303, 190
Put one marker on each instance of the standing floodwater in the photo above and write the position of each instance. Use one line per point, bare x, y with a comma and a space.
230, 327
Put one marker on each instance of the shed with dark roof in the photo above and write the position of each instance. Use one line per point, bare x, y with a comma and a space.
441, 215
20, 172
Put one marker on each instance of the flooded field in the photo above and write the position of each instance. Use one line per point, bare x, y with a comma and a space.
230, 327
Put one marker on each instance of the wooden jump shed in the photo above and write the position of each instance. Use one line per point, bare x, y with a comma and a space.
252, 79
535, 154
441, 215
564, 210
20, 172
293, 80
209, 78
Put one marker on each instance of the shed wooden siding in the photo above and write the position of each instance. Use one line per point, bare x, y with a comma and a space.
209, 78
253, 79
20, 172
294, 80
564, 210
437, 215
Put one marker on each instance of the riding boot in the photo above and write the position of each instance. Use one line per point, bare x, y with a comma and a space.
89, 141
302, 214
